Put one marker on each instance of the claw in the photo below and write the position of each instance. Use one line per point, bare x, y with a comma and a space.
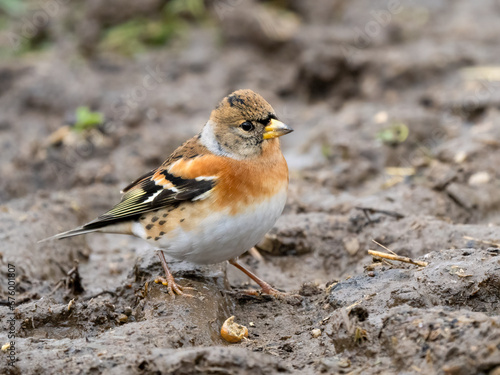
172, 287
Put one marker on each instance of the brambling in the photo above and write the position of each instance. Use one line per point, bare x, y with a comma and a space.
215, 197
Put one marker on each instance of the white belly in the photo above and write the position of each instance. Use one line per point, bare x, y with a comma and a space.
222, 236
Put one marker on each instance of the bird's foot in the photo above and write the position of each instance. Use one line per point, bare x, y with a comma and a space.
172, 287
265, 287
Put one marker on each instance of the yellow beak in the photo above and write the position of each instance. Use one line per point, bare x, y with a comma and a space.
276, 129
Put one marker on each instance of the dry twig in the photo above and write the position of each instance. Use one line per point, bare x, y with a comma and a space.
382, 255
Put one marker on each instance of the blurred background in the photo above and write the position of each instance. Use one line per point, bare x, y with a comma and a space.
396, 111
98, 92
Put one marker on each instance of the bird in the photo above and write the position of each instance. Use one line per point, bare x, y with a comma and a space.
214, 197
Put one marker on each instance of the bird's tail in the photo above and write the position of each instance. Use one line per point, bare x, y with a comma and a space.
70, 233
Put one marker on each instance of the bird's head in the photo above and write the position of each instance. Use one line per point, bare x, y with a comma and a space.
240, 124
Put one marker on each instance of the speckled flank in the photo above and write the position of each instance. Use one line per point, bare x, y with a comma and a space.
185, 216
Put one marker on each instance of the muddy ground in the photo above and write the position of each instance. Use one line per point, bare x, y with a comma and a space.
396, 111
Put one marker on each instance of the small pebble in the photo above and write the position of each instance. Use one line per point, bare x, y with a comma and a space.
460, 157
351, 245
479, 178
122, 318
381, 117
316, 333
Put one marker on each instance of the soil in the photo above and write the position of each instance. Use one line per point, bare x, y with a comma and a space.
396, 111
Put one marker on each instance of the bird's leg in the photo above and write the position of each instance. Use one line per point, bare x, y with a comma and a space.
266, 288
169, 281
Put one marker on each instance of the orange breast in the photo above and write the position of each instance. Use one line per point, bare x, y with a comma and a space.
240, 182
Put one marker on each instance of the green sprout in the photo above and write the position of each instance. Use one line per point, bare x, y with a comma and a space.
396, 133
86, 119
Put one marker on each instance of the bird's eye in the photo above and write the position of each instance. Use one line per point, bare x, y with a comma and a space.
247, 126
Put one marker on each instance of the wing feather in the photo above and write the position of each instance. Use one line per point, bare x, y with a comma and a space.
147, 195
